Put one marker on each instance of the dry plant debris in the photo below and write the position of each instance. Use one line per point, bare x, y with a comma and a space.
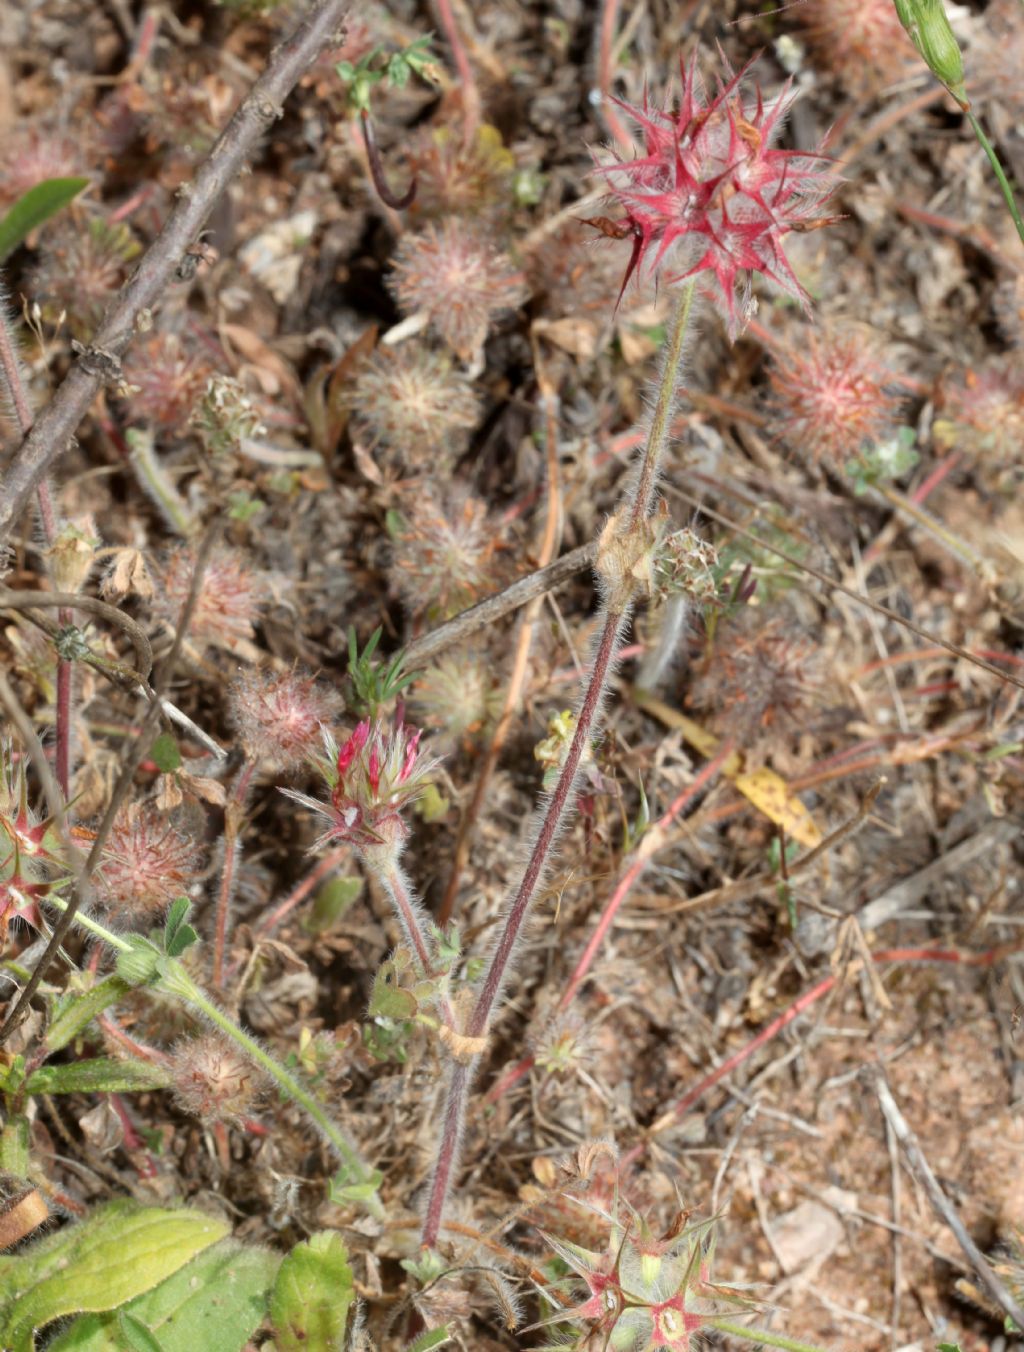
501, 966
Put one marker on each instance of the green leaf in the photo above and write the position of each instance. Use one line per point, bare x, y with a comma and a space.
14, 1153
213, 1304
118, 1253
73, 1013
388, 1000
34, 207
135, 1334
429, 1340
99, 1075
165, 754
312, 1295
178, 935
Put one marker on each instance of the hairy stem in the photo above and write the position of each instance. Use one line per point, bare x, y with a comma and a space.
763, 1336
233, 814
615, 613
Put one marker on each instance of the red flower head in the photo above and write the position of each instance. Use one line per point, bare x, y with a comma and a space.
372, 777
713, 192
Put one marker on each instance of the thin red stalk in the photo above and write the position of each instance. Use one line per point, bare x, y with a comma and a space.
605, 62
616, 610
929, 484
301, 890
496, 968
394, 880
470, 93
988, 958
551, 826
629, 876
636, 867
232, 827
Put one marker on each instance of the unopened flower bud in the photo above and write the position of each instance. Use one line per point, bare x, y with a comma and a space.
929, 28
73, 553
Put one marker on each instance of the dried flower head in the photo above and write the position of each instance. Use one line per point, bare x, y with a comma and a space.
32, 155
73, 552
279, 716
225, 416
166, 381
984, 411
445, 553
759, 678
414, 406
145, 864
832, 399
231, 594
372, 778
213, 1080
81, 264
458, 696
862, 41
460, 176
455, 276
711, 193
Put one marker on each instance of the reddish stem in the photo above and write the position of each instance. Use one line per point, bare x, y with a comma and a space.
986, 959
549, 831
629, 876
470, 93
605, 72
301, 891
232, 827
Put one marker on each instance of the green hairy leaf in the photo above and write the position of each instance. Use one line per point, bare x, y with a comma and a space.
312, 1295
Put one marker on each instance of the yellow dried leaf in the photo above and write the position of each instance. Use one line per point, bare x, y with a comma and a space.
770, 794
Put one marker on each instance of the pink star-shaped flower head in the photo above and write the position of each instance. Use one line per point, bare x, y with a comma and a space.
712, 194
372, 777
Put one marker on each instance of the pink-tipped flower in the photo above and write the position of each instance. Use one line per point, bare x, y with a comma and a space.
146, 863
712, 194
373, 777
279, 716
833, 398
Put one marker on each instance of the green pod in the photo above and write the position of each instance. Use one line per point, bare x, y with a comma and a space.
930, 32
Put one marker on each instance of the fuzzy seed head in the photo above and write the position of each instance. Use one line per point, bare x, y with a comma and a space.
413, 407
32, 155
279, 716
166, 382
759, 680
832, 399
459, 280
861, 41
462, 178
458, 697
213, 1080
81, 265
445, 553
73, 553
711, 195
984, 411
231, 594
146, 863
